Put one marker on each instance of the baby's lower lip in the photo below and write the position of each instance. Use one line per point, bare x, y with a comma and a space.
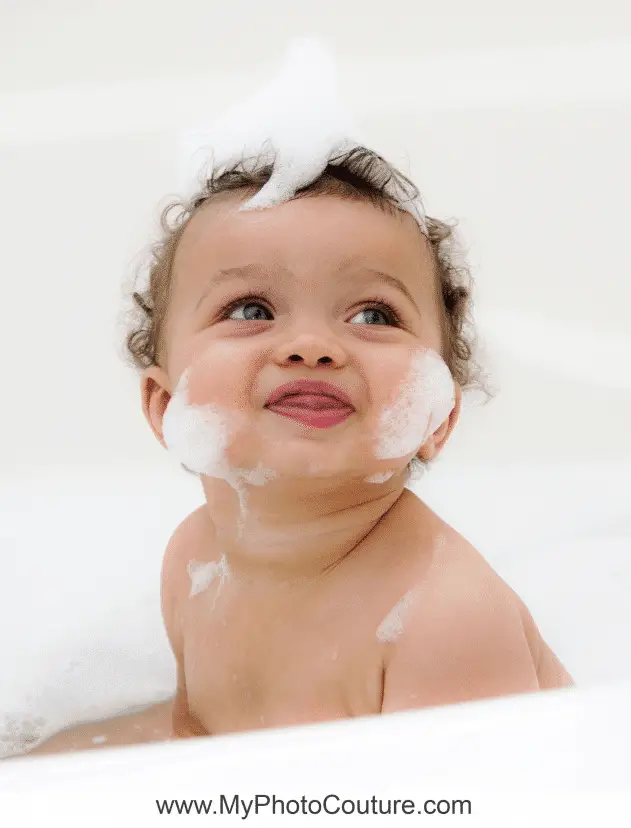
313, 410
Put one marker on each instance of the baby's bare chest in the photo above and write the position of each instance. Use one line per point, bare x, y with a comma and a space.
251, 666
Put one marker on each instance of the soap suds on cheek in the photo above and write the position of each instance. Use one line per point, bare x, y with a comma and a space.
198, 436
425, 400
392, 625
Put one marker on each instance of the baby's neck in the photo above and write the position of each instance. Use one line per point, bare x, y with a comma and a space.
268, 540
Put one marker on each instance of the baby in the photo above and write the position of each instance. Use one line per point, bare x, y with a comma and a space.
303, 360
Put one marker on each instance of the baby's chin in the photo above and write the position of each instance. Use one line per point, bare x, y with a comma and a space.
295, 459
259, 447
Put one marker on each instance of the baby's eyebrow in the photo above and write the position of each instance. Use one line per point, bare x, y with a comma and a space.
231, 273
397, 284
257, 269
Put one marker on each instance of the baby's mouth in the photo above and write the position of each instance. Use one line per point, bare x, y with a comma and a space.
314, 410
314, 402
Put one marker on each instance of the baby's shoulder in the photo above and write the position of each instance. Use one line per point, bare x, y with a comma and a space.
454, 578
458, 633
186, 544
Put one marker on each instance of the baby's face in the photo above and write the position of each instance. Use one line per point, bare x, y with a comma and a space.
317, 288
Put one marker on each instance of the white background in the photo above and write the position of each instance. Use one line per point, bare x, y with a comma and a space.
518, 123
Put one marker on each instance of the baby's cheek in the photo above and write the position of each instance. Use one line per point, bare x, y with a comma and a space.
203, 387
418, 396
198, 427
215, 377
196, 436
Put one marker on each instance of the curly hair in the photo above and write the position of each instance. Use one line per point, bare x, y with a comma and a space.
358, 174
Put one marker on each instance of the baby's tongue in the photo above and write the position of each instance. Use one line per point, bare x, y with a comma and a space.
316, 402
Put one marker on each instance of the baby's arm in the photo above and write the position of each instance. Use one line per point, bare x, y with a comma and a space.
173, 591
150, 725
550, 672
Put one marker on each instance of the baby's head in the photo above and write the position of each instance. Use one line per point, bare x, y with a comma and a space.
338, 284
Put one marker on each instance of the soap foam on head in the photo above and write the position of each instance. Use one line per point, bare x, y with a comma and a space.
298, 124
425, 400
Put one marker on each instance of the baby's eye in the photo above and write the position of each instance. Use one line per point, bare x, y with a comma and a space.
248, 313
252, 305
383, 310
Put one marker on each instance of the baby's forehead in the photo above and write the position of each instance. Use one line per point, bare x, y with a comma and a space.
322, 235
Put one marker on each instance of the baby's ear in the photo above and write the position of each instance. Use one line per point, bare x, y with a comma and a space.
155, 395
432, 447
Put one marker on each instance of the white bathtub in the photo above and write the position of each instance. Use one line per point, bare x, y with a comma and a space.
82, 637
557, 758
